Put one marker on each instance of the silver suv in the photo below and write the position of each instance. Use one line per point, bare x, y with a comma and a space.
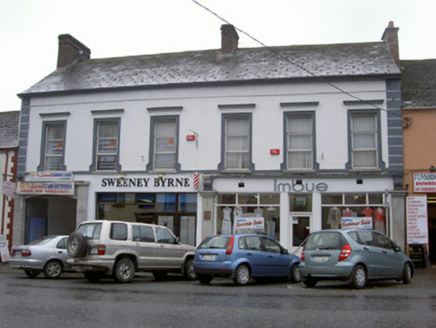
118, 249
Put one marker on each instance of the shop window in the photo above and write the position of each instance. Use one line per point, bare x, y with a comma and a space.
106, 145
264, 209
53, 146
236, 142
187, 203
356, 210
299, 141
165, 202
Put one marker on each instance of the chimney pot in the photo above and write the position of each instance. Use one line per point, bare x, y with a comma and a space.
229, 39
71, 49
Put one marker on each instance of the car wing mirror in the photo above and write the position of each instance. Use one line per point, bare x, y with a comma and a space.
397, 248
284, 251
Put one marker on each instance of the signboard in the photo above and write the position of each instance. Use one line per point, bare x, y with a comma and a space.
45, 188
424, 182
357, 222
4, 250
8, 188
249, 225
417, 224
49, 176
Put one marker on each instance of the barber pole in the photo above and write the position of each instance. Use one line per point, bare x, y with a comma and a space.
196, 180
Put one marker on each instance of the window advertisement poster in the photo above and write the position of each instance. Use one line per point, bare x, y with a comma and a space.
417, 224
424, 182
249, 225
356, 222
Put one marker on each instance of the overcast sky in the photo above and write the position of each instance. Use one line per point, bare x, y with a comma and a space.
29, 29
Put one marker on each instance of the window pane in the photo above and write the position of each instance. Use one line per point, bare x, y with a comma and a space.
165, 144
365, 159
299, 142
107, 145
237, 143
364, 141
54, 146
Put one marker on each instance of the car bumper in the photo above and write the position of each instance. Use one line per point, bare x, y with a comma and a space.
91, 265
222, 269
342, 271
26, 264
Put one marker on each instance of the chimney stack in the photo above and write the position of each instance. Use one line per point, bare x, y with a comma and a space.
70, 50
391, 37
229, 39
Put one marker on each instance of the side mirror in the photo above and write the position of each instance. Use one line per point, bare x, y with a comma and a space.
397, 248
284, 251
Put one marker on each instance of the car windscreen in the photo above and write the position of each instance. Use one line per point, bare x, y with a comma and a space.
215, 242
325, 240
90, 230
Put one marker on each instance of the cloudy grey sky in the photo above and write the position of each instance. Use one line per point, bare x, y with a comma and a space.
111, 28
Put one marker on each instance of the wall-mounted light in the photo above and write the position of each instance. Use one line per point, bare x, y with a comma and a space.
122, 176
241, 184
299, 182
160, 176
359, 181
432, 169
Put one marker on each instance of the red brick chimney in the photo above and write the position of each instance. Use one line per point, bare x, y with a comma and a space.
391, 37
229, 39
71, 49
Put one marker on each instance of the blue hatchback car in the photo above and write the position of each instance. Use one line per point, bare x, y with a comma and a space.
241, 257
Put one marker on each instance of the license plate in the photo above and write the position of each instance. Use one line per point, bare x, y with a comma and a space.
208, 257
320, 259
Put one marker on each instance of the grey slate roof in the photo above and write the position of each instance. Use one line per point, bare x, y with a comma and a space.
9, 122
209, 66
418, 83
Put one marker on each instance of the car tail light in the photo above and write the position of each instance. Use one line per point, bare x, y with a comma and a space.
229, 249
345, 253
13, 253
98, 250
26, 252
302, 256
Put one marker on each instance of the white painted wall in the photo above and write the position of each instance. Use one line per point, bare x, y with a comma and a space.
201, 114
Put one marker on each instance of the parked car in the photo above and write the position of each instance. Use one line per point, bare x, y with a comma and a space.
353, 255
241, 257
118, 249
48, 255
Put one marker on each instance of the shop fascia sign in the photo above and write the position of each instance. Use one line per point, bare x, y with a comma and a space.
299, 185
424, 182
47, 183
157, 181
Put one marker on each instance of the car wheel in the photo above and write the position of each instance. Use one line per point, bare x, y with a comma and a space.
160, 275
76, 245
53, 269
32, 273
310, 282
358, 277
189, 272
124, 270
407, 274
93, 276
295, 274
242, 275
204, 279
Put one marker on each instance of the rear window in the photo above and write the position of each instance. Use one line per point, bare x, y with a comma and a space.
215, 242
325, 240
90, 230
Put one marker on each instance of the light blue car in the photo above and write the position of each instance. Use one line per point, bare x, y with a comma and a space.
241, 257
354, 256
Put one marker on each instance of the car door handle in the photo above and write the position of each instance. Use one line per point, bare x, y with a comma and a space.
270, 257
366, 249
249, 254
384, 252
60, 252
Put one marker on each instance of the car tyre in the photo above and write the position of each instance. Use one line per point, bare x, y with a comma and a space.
32, 273
124, 270
358, 277
76, 245
295, 274
310, 282
189, 272
242, 275
160, 275
53, 269
407, 274
204, 279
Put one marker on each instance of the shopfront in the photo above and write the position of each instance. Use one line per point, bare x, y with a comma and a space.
289, 211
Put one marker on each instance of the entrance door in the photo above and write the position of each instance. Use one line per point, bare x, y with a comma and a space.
300, 229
